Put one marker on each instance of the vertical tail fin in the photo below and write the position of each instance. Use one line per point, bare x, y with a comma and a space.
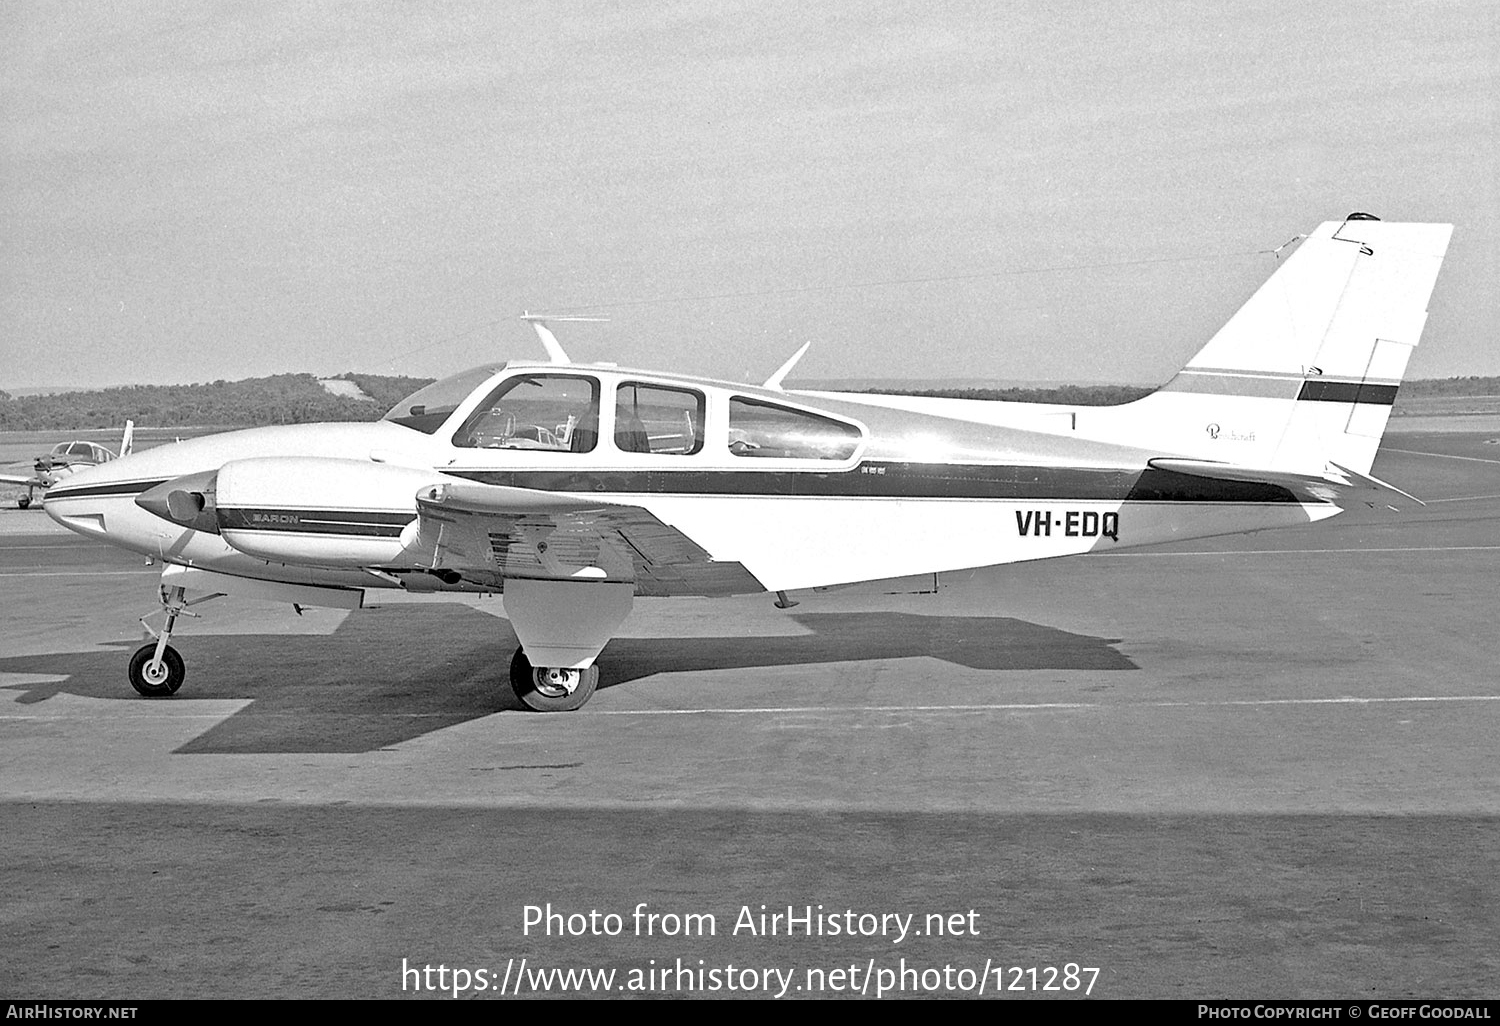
129, 439
1306, 372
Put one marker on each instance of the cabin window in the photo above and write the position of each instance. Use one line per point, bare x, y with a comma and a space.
547, 412
656, 419
765, 430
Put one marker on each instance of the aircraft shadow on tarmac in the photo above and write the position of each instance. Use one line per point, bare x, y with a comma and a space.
395, 673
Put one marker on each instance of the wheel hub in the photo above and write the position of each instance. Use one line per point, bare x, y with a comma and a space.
155, 672
557, 681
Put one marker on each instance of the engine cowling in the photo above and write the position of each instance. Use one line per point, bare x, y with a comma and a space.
320, 511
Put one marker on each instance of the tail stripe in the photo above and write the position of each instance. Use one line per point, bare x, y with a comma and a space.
1348, 392
1286, 386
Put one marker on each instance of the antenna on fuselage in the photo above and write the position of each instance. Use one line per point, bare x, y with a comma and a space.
554, 348
774, 381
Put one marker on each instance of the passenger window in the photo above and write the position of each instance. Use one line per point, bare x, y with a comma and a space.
655, 419
549, 412
765, 430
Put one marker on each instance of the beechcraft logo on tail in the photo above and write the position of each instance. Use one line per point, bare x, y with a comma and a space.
1071, 523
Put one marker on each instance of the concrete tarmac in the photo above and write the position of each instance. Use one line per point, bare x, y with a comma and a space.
1250, 767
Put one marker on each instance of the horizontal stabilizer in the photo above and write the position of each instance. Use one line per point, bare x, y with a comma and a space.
1335, 484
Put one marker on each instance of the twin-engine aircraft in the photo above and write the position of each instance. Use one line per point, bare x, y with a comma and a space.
572, 489
65, 460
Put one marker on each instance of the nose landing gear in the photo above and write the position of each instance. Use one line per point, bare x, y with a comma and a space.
156, 670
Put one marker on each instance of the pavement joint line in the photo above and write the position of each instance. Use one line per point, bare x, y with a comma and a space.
114, 716
1444, 456
1023, 707
1462, 498
80, 573
81, 543
747, 710
1299, 552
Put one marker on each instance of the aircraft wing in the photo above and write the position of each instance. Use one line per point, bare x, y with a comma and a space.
1336, 484
494, 531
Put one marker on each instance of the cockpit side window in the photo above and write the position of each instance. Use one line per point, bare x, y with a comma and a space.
657, 419
765, 430
548, 412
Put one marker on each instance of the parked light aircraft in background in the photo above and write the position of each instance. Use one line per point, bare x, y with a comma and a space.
65, 459
572, 489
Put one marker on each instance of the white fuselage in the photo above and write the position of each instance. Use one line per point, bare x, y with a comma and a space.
919, 492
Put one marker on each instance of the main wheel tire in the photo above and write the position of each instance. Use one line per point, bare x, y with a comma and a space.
165, 680
24, 502
549, 689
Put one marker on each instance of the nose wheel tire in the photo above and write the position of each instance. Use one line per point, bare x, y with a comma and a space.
160, 680
551, 688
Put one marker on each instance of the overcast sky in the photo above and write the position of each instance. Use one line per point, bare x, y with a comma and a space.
197, 191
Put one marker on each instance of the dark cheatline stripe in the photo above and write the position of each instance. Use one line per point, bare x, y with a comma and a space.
118, 488
316, 521
1348, 392
871, 479
878, 479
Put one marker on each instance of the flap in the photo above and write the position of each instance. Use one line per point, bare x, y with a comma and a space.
484, 530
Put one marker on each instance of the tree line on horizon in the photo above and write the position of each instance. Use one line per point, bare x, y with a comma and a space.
252, 402
300, 399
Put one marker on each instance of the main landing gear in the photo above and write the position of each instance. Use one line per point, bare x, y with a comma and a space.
156, 670
563, 626
551, 688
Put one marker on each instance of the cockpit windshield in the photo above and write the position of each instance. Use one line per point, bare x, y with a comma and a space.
428, 407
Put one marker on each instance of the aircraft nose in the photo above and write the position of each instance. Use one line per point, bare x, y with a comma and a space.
77, 504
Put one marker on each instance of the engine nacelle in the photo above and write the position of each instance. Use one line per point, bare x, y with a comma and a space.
319, 511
